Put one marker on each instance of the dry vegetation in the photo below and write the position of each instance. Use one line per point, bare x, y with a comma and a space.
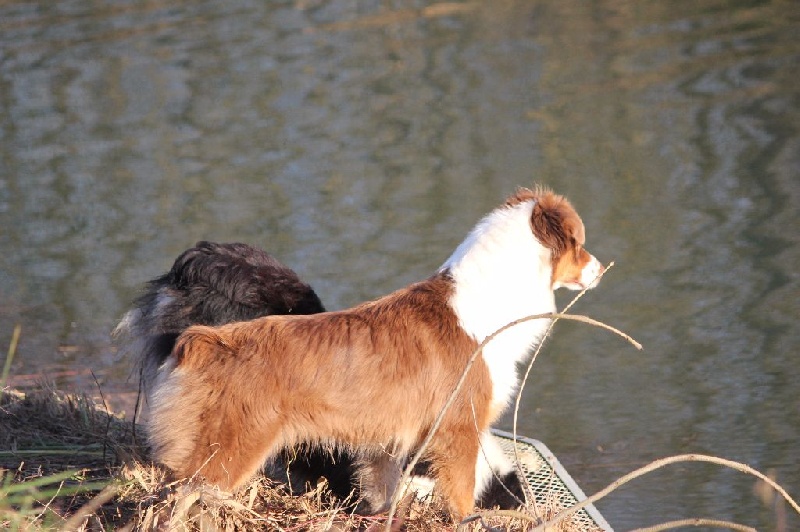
67, 462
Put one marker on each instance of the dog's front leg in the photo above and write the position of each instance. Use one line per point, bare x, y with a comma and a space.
453, 453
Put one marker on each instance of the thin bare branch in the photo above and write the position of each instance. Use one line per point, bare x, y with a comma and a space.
697, 521
535, 355
77, 520
657, 465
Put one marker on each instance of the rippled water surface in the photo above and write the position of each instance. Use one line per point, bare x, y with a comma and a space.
360, 141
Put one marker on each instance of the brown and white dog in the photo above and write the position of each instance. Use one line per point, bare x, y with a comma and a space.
217, 283
373, 378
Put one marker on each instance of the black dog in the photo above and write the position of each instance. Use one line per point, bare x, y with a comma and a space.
214, 284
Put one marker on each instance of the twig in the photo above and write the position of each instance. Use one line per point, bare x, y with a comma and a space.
520, 473
697, 521
511, 514
137, 408
108, 414
452, 397
47, 505
105, 495
657, 465
12, 349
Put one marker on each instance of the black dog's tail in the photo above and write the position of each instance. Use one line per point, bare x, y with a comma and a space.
209, 284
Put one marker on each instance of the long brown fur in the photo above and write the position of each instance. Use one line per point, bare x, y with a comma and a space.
339, 378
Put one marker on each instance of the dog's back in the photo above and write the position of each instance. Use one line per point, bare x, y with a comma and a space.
284, 380
213, 284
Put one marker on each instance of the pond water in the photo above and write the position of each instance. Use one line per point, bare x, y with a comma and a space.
360, 141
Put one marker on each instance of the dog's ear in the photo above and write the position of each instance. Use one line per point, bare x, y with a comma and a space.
548, 222
555, 223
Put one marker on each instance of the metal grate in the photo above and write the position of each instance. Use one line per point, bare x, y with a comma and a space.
551, 484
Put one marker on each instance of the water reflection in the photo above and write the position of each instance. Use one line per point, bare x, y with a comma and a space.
360, 142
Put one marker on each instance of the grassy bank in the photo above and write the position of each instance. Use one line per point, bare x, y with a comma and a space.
67, 462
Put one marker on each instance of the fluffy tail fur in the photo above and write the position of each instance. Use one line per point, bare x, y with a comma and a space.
209, 284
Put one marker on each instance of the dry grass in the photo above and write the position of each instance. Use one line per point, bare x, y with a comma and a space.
56, 451
67, 462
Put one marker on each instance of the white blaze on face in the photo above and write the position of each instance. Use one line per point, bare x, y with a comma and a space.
591, 272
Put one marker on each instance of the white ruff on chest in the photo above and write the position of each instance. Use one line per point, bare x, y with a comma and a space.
503, 273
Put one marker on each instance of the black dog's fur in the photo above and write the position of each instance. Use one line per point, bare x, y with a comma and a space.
214, 284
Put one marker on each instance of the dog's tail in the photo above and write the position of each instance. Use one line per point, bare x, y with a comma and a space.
209, 284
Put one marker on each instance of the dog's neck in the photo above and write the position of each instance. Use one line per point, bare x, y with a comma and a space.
502, 273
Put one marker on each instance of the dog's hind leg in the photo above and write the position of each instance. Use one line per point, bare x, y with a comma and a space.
195, 432
227, 458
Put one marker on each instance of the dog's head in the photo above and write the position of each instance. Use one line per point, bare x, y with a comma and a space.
556, 224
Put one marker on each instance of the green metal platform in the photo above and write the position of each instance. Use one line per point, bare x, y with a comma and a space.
550, 483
